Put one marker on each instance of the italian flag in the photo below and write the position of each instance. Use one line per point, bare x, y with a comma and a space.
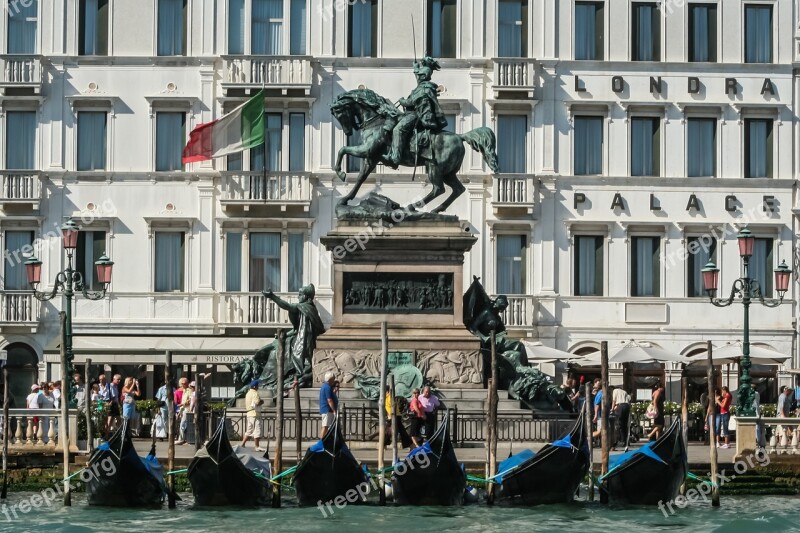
239, 130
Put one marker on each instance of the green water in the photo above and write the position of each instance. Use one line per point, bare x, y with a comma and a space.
745, 514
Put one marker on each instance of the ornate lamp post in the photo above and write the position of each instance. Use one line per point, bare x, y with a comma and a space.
747, 289
69, 281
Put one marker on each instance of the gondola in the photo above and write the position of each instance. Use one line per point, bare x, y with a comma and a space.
651, 474
430, 474
551, 475
327, 470
221, 474
120, 478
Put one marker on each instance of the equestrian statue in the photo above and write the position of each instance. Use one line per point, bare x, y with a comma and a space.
411, 138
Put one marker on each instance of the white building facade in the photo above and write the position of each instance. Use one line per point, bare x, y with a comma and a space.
633, 142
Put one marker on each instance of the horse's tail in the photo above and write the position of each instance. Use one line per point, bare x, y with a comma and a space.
483, 140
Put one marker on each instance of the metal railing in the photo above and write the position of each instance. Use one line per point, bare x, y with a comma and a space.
21, 70
280, 71
20, 185
276, 187
18, 307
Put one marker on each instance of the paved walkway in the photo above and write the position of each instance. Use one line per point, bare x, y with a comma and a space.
472, 455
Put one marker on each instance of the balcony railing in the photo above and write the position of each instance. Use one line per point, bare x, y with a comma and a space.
18, 307
21, 71
514, 192
243, 308
21, 187
274, 188
514, 74
519, 312
282, 72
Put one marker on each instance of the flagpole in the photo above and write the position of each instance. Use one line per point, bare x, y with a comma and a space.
263, 94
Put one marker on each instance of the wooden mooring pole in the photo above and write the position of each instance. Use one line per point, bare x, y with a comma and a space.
393, 414
684, 417
382, 411
63, 431
276, 487
170, 431
712, 424
587, 406
492, 423
605, 406
6, 429
298, 421
87, 406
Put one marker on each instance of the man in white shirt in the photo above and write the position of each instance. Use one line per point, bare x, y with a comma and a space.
253, 402
621, 407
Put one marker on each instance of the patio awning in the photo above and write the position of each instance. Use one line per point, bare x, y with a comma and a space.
152, 350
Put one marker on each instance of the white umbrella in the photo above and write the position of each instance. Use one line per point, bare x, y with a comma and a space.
539, 353
733, 351
637, 352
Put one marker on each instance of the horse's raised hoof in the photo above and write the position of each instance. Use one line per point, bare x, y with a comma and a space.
411, 208
341, 175
344, 201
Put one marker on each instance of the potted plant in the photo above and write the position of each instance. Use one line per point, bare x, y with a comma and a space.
145, 409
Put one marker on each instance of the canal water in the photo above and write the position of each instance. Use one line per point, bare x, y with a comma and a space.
737, 514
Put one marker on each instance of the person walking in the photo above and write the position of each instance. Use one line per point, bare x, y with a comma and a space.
328, 404
724, 403
621, 407
46, 401
253, 403
114, 410
33, 401
430, 404
659, 418
417, 419
185, 413
393, 409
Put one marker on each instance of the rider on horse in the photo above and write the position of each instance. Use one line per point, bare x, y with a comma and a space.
422, 109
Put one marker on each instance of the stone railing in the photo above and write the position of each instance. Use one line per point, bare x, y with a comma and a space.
21, 70
20, 185
274, 187
519, 312
253, 308
18, 307
269, 71
514, 190
514, 73
32, 429
781, 435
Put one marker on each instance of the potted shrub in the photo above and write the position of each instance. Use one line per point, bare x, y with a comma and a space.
145, 408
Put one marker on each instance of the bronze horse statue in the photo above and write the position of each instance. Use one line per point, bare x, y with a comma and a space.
367, 111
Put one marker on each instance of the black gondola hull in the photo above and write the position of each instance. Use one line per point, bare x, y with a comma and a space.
646, 481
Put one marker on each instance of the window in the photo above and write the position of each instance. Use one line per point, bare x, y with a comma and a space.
236, 18
646, 33
758, 34
512, 28
442, 28
452, 122
18, 244
265, 262
589, 30
758, 148
702, 147
233, 262
23, 19
354, 163
511, 264
296, 244
588, 145
363, 28
91, 246
21, 140
91, 140
273, 146
297, 142
511, 136
266, 27
588, 265
171, 27
645, 266
170, 260
761, 265
699, 251
93, 28
170, 138
645, 146
703, 33
297, 29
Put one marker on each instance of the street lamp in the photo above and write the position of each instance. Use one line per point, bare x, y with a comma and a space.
68, 281
747, 289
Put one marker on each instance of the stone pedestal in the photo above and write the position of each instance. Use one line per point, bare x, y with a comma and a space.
408, 274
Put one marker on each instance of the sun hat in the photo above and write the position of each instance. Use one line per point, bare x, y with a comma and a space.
255, 383
34, 387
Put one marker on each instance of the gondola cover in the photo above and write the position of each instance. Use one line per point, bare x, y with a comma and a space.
652, 474
430, 474
132, 481
327, 470
222, 474
550, 476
